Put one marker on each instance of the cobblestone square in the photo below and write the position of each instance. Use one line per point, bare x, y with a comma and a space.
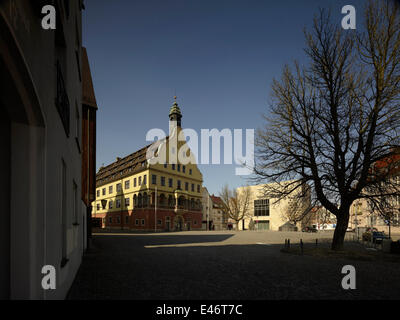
223, 265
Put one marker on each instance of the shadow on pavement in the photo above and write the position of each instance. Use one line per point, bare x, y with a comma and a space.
123, 269
168, 239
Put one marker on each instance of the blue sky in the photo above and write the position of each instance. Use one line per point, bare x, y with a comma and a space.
219, 57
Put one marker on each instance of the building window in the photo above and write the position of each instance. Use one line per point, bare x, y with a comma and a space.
127, 219
140, 181
98, 207
163, 181
179, 184
110, 189
170, 183
75, 203
98, 193
110, 204
179, 167
118, 219
186, 186
190, 171
165, 165
261, 207
154, 179
143, 222
62, 102
134, 182
136, 222
192, 187
104, 191
159, 222
173, 166
127, 202
118, 203
64, 259
198, 188
195, 222
78, 123
145, 179
119, 187
183, 169
110, 219
127, 184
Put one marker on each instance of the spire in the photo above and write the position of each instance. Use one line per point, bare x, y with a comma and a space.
175, 116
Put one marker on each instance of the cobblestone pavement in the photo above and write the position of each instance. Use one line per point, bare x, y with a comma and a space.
222, 265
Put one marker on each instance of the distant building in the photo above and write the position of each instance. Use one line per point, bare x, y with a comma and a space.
361, 213
43, 217
134, 193
265, 213
207, 222
213, 213
220, 219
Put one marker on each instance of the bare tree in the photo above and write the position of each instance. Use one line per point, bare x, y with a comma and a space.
332, 118
297, 211
384, 206
236, 204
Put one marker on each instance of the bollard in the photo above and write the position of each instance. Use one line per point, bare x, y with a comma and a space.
301, 245
288, 243
285, 243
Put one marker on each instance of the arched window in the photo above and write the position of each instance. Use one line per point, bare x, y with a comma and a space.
162, 200
140, 200
145, 199
171, 201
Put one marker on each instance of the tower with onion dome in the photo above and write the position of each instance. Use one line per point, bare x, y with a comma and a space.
175, 117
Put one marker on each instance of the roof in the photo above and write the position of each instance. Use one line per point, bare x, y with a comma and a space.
216, 200
175, 109
390, 163
122, 167
88, 96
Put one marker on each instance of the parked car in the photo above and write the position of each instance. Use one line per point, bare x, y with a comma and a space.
309, 229
377, 236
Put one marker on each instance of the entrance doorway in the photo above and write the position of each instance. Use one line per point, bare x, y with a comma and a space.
263, 225
178, 222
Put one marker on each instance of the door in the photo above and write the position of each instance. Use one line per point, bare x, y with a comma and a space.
263, 225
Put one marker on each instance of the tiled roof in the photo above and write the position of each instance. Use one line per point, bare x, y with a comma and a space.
216, 200
122, 167
391, 163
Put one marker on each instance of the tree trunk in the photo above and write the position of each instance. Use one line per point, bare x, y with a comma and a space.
340, 230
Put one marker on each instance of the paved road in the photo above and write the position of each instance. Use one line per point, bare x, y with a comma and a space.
222, 265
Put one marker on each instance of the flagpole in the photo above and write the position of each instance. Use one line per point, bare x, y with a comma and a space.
155, 212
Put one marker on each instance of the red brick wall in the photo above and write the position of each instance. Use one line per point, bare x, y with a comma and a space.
194, 217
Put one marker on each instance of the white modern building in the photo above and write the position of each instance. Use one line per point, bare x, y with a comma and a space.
266, 213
